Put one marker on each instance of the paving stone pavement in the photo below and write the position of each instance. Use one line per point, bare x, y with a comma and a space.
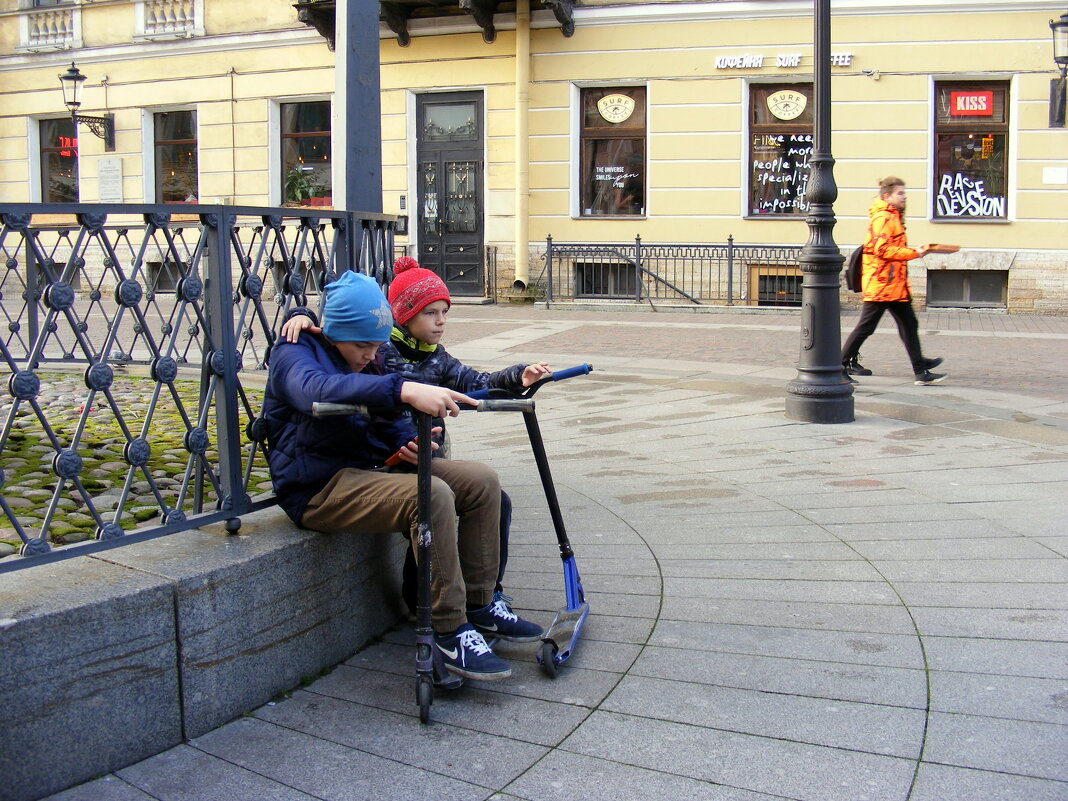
873, 610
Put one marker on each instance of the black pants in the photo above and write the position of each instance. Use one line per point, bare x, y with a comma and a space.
907, 326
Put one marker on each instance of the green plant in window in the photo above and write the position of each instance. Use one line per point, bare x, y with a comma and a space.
298, 184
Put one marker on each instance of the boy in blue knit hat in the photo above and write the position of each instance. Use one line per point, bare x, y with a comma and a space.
328, 472
420, 301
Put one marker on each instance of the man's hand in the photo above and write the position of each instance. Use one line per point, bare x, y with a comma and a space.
437, 401
291, 328
533, 372
922, 251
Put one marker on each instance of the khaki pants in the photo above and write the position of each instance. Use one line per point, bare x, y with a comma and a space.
464, 556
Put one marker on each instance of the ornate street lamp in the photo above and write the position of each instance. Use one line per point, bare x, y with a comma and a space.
1057, 85
820, 393
103, 127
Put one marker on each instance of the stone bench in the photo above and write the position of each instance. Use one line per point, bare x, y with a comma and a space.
110, 658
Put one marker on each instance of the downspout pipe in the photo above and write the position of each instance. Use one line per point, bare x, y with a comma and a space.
522, 155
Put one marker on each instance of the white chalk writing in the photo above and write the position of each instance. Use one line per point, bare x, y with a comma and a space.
780, 173
961, 196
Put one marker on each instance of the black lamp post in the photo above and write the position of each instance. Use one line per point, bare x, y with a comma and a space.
1057, 85
820, 393
103, 127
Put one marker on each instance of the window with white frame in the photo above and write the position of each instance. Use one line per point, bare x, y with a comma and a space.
59, 161
971, 150
305, 153
175, 151
780, 147
613, 134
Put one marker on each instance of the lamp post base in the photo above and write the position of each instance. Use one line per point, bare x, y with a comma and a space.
806, 403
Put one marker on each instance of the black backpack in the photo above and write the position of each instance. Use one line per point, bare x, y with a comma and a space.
853, 267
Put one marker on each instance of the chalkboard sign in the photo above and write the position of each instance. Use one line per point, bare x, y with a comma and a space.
779, 170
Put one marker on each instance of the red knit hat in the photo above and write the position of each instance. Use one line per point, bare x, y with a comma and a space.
413, 288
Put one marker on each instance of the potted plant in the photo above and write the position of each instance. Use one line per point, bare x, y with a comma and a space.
298, 186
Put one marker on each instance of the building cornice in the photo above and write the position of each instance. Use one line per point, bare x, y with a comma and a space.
207, 45
644, 13
723, 10
771, 9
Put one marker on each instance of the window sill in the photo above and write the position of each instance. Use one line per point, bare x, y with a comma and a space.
960, 304
610, 217
780, 217
969, 221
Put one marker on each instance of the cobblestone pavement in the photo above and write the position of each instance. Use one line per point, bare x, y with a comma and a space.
873, 610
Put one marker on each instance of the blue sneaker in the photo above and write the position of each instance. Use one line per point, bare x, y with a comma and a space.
465, 653
498, 620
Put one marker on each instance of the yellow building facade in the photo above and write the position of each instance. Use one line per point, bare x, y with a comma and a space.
679, 122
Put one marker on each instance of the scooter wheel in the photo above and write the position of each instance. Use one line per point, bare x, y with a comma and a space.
548, 657
424, 691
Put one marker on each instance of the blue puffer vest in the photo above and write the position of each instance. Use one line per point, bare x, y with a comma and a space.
304, 452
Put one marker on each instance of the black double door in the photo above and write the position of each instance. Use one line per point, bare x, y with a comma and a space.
450, 193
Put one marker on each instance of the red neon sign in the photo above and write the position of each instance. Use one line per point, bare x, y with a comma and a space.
971, 104
68, 146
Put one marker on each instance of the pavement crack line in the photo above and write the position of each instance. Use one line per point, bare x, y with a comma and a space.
643, 645
919, 641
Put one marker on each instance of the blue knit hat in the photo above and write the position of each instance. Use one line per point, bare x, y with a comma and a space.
356, 310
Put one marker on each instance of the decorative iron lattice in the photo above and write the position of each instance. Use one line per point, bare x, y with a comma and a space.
134, 340
673, 273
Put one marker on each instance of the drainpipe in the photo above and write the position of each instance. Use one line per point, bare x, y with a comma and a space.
522, 156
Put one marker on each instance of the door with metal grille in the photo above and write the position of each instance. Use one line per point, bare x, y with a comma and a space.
450, 192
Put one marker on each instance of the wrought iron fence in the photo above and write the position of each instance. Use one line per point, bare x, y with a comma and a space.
133, 339
753, 275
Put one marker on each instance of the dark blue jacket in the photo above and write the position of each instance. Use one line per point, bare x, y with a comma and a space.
304, 452
443, 370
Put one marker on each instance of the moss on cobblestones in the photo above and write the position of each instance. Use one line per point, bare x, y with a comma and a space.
29, 477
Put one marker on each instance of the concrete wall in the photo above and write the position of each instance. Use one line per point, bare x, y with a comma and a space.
111, 658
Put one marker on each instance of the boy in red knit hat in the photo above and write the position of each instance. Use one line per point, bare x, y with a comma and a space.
420, 302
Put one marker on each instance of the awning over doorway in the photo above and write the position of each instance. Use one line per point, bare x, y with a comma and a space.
398, 14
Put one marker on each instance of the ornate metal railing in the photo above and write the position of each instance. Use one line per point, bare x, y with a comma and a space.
133, 342
754, 275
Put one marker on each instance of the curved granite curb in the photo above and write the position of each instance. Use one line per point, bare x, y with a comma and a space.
114, 657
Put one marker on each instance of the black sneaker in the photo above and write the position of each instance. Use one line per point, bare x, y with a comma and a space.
465, 653
854, 367
927, 377
498, 620
848, 377
930, 364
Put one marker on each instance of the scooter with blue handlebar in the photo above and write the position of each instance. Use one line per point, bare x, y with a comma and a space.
559, 640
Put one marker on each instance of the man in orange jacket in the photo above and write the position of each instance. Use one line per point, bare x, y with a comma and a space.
885, 283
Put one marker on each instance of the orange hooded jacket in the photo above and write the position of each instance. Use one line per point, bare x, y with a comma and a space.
885, 274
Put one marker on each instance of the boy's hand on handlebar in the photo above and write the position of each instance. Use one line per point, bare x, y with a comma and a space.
535, 371
437, 401
291, 328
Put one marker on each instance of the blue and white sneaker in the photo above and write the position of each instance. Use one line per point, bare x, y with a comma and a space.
498, 620
466, 654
